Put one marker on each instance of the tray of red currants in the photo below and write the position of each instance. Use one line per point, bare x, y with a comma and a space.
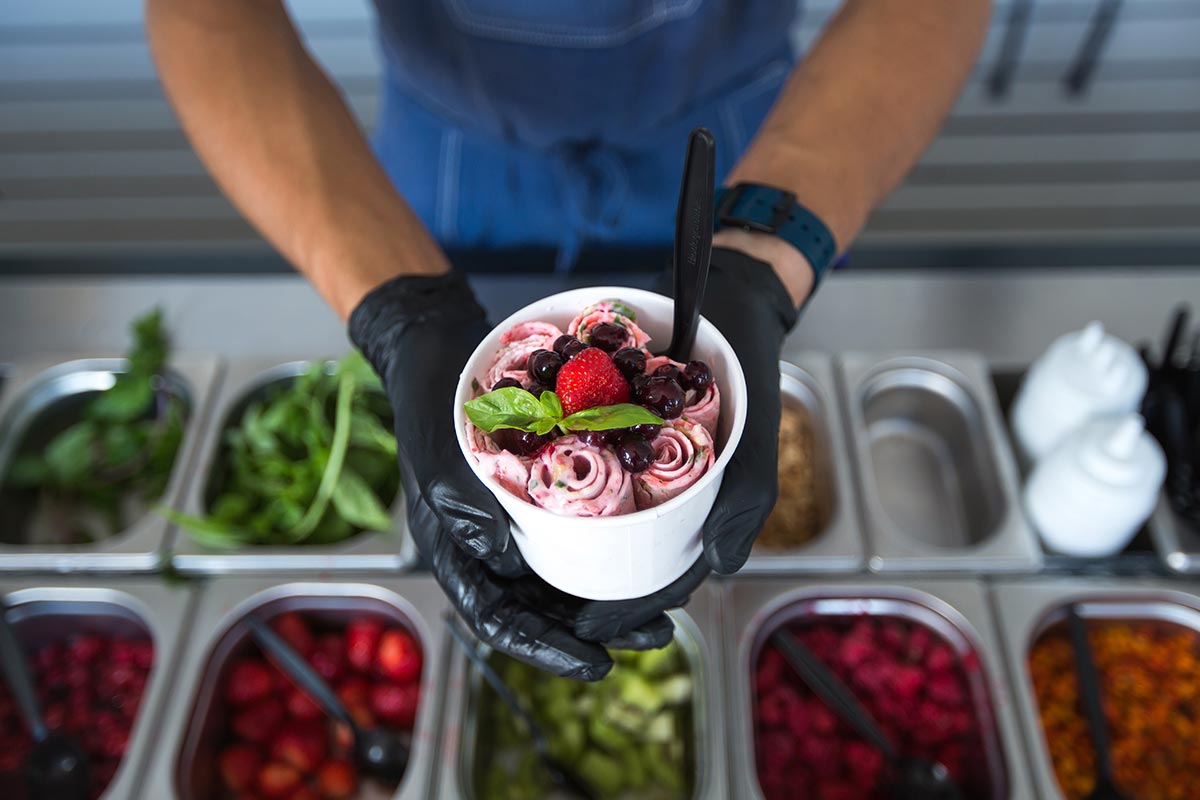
239, 727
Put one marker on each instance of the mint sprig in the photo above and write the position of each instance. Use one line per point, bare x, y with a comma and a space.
518, 409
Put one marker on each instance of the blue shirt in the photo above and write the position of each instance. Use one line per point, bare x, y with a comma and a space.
559, 122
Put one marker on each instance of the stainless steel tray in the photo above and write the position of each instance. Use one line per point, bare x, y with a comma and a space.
937, 480
958, 610
1176, 541
1025, 608
34, 388
217, 634
697, 629
39, 610
368, 550
809, 383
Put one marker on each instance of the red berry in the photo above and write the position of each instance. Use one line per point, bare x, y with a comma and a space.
395, 704
939, 659
946, 690
336, 779
590, 379
302, 707
362, 640
258, 723
399, 656
302, 744
292, 628
906, 682
304, 793
328, 657
239, 765
278, 780
83, 649
250, 679
354, 691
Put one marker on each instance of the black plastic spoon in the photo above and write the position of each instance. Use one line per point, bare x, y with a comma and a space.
559, 773
1089, 694
693, 241
377, 751
58, 768
913, 778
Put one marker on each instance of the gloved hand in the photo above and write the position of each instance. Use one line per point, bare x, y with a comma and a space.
751, 307
418, 332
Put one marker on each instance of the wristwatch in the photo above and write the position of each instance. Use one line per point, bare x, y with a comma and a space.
755, 207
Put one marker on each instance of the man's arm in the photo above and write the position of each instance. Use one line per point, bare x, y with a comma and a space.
278, 138
856, 114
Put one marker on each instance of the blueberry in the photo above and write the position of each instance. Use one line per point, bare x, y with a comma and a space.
647, 431
670, 371
561, 342
568, 346
631, 362
698, 376
608, 336
544, 366
592, 438
637, 385
663, 396
522, 443
614, 436
506, 383
635, 454
539, 387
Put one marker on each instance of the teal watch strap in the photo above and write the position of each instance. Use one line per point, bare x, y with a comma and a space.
755, 207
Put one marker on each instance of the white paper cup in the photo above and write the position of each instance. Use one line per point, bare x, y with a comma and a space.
631, 555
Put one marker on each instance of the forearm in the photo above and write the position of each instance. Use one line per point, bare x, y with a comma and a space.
860, 109
278, 138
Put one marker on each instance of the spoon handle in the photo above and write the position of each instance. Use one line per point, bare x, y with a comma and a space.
296, 668
16, 673
833, 692
498, 685
1089, 694
693, 240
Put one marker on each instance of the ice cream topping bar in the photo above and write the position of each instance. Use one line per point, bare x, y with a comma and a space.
588, 423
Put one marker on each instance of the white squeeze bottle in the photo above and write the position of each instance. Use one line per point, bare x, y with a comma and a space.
1082, 375
1093, 492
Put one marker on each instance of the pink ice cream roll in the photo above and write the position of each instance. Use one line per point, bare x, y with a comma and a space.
517, 344
577, 480
609, 311
683, 452
701, 407
510, 470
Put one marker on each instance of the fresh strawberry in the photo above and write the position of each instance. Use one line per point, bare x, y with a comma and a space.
362, 640
328, 657
301, 744
278, 780
336, 779
257, 723
399, 655
590, 379
239, 765
302, 707
250, 679
395, 704
292, 628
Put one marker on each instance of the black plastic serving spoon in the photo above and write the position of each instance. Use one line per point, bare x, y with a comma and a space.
377, 751
559, 773
914, 778
58, 768
693, 241
1089, 694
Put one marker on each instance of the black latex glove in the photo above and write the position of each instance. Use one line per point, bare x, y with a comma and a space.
418, 332
746, 301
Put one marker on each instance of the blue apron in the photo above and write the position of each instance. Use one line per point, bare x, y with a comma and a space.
560, 123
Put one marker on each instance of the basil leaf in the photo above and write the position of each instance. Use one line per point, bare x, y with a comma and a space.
544, 426
506, 408
604, 418
72, 454
619, 307
207, 531
357, 504
367, 431
129, 398
551, 405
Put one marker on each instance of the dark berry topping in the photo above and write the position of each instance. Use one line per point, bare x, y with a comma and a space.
647, 431
670, 371
522, 443
631, 361
506, 383
539, 387
635, 454
697, 376
608, 336
637, 385
663, 396
544, 366
568, 346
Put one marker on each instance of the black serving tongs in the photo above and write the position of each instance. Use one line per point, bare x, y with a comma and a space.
693, 241
1172, 412
1089, 692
